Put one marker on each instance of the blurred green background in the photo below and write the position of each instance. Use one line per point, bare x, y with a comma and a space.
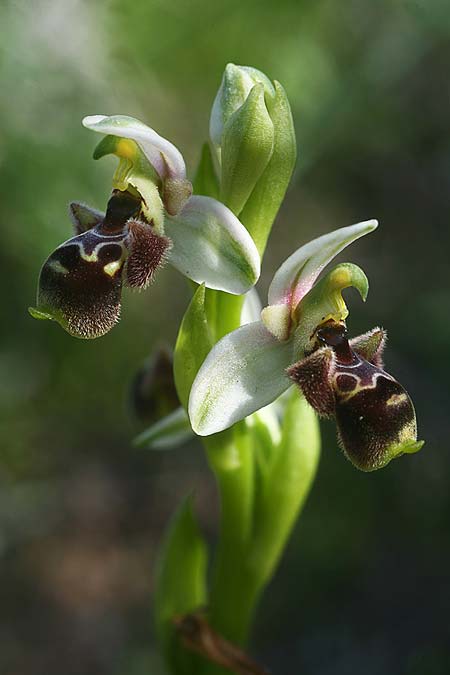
364, 585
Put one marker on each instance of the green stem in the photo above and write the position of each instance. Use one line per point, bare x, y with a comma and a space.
231, 459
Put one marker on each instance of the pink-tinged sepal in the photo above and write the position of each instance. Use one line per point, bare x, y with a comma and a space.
84, 217
313, 375
371, 346
147, 251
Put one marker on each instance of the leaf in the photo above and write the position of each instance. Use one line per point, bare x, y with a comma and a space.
286, 485
192, 346
180, 583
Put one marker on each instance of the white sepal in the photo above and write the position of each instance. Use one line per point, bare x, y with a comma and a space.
211, 245
162, 155
298, 273
243, 372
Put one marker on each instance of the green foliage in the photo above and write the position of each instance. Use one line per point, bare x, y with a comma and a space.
180, 584
205, 181
285, 484
192, 345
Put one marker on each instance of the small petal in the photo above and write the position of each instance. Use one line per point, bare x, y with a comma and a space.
80, 284
277, 320
211, 245
371, 346
314, 377
162, 155
84, 217
298, 273
175, 194
243, 372
147, 252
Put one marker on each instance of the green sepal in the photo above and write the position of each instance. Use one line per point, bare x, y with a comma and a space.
247, 145
285, 484
262, 206
169, 432
192, 346
324, 301
206, 181
180, 581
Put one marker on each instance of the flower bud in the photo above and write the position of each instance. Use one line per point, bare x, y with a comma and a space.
252, 130
247, 146
152, 392
237, 83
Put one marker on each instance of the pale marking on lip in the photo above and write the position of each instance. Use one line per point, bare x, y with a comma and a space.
396, 399
112, 267
56, 266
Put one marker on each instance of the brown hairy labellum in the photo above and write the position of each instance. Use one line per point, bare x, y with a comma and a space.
374, 414
81, 281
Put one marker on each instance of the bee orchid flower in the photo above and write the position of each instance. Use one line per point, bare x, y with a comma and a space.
301, 338
151, 217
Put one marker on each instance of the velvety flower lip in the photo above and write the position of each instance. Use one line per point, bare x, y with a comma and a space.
80, 283
345, 379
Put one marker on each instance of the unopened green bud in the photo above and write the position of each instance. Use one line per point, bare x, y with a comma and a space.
247, 145
252, 132
262, 206
236, 85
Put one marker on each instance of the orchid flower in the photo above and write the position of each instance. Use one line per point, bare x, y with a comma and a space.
253, 365
151, 217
